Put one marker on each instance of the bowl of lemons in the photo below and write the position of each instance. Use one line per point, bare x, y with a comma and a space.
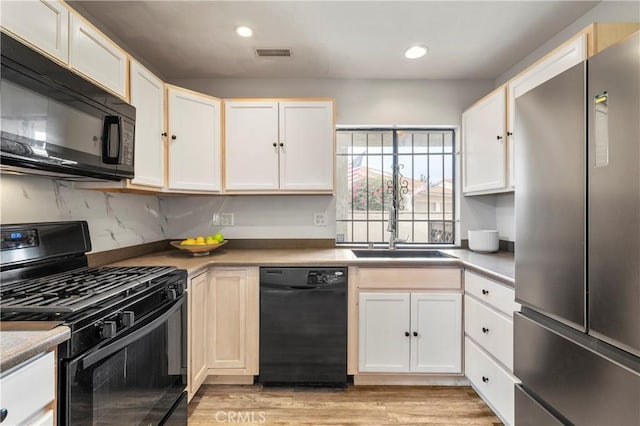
200, 245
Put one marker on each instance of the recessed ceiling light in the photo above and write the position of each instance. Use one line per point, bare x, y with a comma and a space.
415, 52
243, 31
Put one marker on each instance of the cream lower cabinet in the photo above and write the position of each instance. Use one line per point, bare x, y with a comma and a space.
194, 141
417, 332
197, 332
233, 315
488, 327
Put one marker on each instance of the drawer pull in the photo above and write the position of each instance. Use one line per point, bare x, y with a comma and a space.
485, 291
485, 330
3, 414
485, 379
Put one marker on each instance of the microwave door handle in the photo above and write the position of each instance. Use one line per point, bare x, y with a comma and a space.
120, 344
111, 136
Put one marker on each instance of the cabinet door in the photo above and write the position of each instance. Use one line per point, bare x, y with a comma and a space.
307, 155
561, 60
147, 95
197, 298
97, 57
194, 141
384, 332
251, 145
233, 316
436, 334
51, 34
483, 144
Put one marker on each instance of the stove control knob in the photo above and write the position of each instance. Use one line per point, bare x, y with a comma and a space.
108, 329
128, 318
171, 294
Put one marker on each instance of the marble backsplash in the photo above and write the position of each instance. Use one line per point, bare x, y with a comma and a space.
115, 219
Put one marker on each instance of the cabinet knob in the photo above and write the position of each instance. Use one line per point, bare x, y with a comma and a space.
415, 334
509, 133
3, 414
499, 137
485, 330
485, 379
163, 134
275, 144
174, 137
485, 292
406, 333
281, 144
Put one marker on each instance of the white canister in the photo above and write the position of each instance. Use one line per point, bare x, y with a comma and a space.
484, 240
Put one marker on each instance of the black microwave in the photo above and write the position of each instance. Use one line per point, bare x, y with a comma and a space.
56, 123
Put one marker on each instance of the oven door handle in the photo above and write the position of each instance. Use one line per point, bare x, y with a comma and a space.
119, 344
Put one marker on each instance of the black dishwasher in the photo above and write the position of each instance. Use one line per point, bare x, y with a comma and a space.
303, 326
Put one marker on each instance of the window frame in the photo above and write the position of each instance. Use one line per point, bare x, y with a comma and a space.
457, 188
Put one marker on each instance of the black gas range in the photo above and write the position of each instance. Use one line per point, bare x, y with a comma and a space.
125, 362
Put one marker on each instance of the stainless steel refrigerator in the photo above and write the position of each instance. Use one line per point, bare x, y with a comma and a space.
577, 203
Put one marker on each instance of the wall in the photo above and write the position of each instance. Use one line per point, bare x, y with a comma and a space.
408, 102
257, 217
367, 102
605, 11
115, 220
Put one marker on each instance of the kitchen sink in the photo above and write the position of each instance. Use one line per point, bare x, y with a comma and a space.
401, 254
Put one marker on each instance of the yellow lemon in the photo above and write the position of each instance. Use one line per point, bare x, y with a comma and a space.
200, 241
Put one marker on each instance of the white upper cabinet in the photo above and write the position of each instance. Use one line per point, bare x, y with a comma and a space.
194, 141
251, 145
42, 23
147, 95
97, 57
558, 61
279, 146
306, 135
483, 144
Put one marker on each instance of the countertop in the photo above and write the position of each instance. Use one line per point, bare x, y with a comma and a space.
19, 343
499, 266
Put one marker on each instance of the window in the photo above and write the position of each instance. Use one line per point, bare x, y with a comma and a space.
415, 165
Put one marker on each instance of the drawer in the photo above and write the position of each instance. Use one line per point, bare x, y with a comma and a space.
497, 295
20, 382
46, 419
409, 278
491, 329
492, 381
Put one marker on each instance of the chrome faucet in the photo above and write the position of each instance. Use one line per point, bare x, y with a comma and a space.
392, 226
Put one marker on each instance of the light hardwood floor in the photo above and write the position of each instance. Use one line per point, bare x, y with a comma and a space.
356, 405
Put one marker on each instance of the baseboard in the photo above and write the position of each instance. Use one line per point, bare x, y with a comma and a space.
410, 380
228, 380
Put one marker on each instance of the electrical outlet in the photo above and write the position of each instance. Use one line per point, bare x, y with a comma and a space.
226, 219
320, 219
216, 220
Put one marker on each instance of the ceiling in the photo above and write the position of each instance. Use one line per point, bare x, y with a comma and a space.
332, 39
